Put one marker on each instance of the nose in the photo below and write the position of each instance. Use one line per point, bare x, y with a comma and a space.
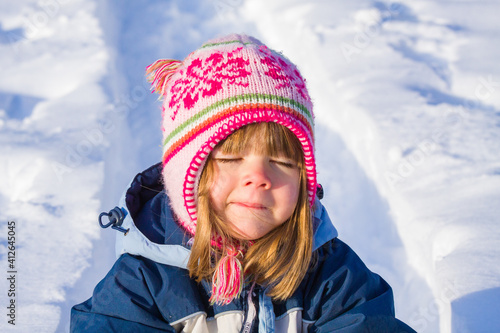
257, 174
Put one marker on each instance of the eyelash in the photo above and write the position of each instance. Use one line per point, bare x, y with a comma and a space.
227, 160
285, 164
233, 160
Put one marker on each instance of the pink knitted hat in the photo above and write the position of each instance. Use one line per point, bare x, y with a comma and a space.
227, 83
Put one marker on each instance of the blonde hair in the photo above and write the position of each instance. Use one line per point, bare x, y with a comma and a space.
279, 259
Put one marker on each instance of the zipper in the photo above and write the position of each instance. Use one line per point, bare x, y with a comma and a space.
252, 313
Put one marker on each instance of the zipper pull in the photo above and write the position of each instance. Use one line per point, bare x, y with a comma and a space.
115, 217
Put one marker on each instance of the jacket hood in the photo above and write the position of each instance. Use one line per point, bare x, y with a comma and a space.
154, 233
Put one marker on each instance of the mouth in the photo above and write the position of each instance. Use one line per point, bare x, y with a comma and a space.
250, 205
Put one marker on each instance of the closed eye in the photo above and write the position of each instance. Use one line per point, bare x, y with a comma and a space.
228, 160
284, 163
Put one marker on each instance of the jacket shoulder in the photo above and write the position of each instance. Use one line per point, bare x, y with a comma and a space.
341, 292
139, 291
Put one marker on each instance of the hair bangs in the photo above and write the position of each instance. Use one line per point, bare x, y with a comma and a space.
266, 138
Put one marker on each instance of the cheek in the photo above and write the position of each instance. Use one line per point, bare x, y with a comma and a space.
289, 196
293, 198
295, 191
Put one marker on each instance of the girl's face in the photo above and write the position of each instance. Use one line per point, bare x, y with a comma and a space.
254, 192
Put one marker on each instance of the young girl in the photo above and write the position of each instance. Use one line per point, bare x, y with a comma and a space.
228, 234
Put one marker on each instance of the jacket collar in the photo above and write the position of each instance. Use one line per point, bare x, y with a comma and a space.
154, 234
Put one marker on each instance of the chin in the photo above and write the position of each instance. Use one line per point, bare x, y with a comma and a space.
250, 236
249, 229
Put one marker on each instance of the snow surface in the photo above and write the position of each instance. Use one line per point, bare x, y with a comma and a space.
407, 103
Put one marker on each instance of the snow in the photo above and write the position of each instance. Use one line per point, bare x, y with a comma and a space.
407, 100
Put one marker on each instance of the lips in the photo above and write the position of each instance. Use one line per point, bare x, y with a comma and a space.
250, 205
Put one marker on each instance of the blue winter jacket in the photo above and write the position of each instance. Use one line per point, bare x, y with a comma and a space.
149, 290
